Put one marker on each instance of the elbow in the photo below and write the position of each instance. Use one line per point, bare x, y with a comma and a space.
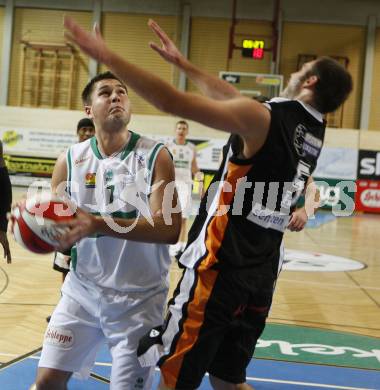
175, 230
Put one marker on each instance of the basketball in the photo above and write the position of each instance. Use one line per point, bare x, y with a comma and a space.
35, 223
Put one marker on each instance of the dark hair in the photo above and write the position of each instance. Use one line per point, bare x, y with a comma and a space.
333, 86
87, 91
85, 122
182, 122
261, 98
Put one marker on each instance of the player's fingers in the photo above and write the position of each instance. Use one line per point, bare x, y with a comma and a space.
158, 31
160, 51
9, 256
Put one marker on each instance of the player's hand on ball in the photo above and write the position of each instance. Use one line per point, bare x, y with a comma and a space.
83, 225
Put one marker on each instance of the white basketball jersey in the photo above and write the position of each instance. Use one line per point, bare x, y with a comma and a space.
117, 186
183, 156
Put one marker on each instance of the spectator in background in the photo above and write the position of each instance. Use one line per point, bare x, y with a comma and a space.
5, 205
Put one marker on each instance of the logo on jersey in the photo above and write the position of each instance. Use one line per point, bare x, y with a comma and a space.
154, 333
305, 143
90, 180
268, 219
59, 337
81, 160
140, 158
139, 384
108, 176
299, 139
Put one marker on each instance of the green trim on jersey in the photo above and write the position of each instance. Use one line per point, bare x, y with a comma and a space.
94, 147
127, 149
153, 155
68, 184
131, 145
74, 257
186, 143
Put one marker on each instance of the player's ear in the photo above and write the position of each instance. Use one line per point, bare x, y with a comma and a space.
87, 110
310, 81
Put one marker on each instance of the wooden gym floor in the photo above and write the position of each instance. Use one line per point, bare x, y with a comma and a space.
343, 301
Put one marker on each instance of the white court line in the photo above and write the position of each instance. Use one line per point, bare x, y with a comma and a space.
33, 258
308, 384
328, 284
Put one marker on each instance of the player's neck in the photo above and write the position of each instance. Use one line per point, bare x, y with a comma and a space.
180, 141
306, 96
111, 143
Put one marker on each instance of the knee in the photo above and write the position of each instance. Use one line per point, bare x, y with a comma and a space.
49, 379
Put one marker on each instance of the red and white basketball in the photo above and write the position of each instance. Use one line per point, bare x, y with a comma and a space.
35, 223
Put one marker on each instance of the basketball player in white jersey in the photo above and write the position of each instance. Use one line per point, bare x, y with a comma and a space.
117, 286
185, 164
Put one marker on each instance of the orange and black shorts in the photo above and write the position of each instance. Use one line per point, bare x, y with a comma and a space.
213, 325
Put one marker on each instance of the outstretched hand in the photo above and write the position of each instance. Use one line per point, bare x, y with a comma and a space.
168, 51
91, 44
5, 244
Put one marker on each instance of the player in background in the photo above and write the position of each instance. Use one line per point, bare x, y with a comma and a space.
186, 169
5, 205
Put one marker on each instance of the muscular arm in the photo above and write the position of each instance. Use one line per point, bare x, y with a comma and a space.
239, 115
160, 231
59, 176
299, 217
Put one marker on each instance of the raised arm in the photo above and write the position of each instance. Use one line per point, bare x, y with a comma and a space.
239, 115
209, 85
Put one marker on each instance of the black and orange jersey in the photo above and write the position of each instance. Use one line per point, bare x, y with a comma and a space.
245, 211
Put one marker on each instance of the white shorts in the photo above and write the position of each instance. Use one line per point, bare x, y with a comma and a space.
78, 327
184, 190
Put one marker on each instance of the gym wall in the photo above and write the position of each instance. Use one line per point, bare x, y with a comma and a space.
129, 35
325, 39
374, 122
43, 25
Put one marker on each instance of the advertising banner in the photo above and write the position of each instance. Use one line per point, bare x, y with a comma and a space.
337, 195
30, 154
368, 196
369, 165
337, 163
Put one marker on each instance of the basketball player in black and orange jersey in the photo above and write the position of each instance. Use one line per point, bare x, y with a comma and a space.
233, 255
5, 205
